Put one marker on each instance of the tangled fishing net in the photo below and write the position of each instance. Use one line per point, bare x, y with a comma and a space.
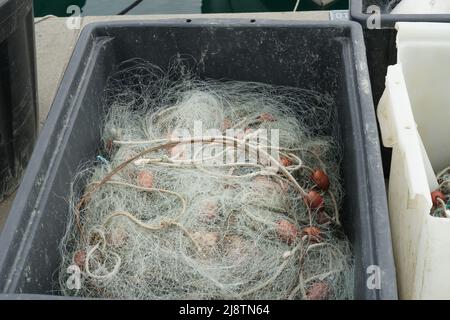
385, 6
249, 210
417, 7
441, 196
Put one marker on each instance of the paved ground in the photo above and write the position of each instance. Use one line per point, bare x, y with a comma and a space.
55, 42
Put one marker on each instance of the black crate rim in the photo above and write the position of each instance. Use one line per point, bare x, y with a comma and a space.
389, 20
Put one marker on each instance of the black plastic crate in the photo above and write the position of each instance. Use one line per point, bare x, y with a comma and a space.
323, 56
380, 43
18, 93
381, 46
358, 12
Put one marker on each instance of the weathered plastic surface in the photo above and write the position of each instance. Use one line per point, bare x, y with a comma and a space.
18, 100
380, 45
276, 52
414, 115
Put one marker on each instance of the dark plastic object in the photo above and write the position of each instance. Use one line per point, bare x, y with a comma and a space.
18, 101
327, 57
381, 47
358, 12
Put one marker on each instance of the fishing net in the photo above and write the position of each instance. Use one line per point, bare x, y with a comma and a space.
246, 207
441, 196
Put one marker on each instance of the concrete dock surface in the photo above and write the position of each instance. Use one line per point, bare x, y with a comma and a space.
56, 38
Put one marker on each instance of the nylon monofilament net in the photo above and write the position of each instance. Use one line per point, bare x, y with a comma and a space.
441, 196
248, 210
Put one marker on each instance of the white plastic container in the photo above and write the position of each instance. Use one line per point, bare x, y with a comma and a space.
414, 116
422, 7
